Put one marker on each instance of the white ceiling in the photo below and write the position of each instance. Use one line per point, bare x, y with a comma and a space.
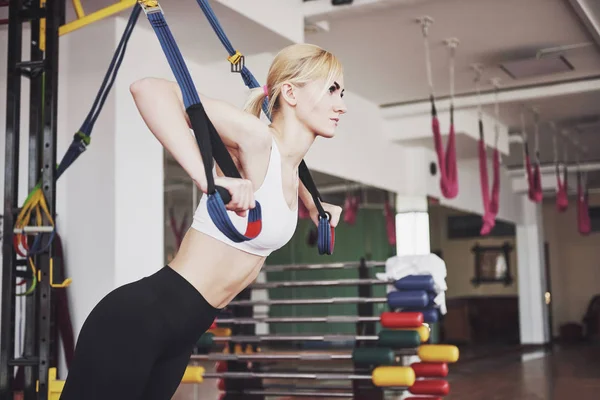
383, 50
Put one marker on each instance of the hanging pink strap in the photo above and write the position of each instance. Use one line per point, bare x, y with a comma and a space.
584, 224
562, 197
303, 212
483, 177
446, 159
490, 205
178, 231
534, 179
538, 194
350, 209
495, 201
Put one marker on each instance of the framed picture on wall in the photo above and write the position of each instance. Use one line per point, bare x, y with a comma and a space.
492, 264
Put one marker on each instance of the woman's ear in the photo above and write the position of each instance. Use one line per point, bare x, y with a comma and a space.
288, 93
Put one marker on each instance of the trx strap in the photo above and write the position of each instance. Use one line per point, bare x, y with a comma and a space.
490, 205
446, 159
326, 233
82, 138
208, 139
562, 197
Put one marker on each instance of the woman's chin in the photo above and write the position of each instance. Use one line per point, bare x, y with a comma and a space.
326, 133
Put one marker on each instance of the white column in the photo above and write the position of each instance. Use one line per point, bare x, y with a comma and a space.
412, 225
412, 238
533, 314
114, 191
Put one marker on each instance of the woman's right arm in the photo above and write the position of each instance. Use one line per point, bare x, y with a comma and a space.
161, 106
161, 110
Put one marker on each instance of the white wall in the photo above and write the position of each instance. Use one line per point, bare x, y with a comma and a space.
90, 189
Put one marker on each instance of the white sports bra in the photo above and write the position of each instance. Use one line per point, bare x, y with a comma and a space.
278, 221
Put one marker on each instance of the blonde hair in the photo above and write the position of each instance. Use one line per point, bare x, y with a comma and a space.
298, 64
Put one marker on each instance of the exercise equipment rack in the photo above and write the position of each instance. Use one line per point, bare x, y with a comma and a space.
45, 18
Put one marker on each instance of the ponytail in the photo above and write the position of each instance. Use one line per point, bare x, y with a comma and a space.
255, 100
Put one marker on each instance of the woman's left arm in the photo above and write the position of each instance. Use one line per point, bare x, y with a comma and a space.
306, 198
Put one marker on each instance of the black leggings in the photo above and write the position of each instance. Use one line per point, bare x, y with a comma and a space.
137, 342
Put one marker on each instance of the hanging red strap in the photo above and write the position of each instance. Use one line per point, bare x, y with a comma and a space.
537, 194
350, 209
562, 197
534, 182
495, 201
303, 212
446, 159
490, 205
178, 231
447, 163
584, 224
534, 179
451, 187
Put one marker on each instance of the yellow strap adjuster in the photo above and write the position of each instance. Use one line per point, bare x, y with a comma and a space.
235, 58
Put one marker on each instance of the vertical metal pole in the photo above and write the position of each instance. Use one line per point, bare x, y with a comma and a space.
364, 390
236, 385
50, 115
35, 137
11, 178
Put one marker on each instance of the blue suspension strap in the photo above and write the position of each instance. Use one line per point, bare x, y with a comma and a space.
82, 138
326, 239
207, 137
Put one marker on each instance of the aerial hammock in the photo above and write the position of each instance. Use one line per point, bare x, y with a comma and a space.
326, 233
562, 196
446, 159
490, 205
534, 178
211, 145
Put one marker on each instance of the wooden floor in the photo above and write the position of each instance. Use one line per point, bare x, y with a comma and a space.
564, 373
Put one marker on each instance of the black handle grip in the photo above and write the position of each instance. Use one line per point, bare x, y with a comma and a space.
225, 195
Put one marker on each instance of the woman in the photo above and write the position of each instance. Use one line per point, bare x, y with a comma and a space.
137, 342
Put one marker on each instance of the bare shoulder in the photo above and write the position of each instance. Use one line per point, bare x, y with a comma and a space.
246, 130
